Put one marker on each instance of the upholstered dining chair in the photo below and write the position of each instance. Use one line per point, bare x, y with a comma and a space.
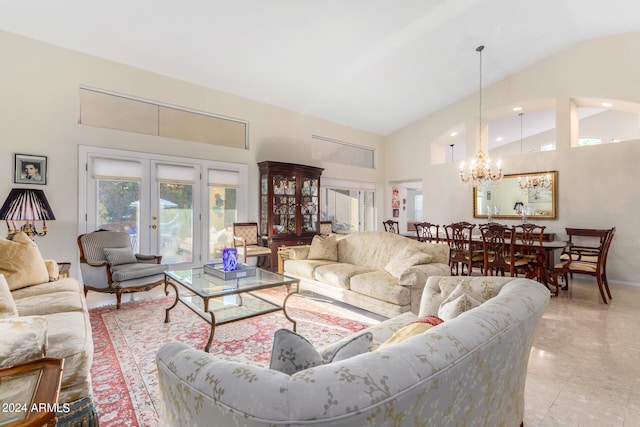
108, 264
391, 226
528, 235
326, 228
247, 240
427, 232
581, 258
462, 249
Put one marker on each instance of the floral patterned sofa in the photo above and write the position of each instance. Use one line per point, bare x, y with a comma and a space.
42, 315
377, 271
468, 370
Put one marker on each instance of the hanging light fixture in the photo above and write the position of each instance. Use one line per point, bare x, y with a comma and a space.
480, 173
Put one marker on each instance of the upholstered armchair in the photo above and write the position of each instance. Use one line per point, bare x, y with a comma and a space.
247, 241
108, 264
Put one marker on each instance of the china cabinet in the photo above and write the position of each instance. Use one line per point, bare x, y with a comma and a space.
289, 204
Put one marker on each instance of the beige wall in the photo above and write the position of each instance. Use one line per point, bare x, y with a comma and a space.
39, 115
597, 185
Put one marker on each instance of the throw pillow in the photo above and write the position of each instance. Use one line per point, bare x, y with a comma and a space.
52, 269
21, 262
412, 329
117, 256
7, 304
324, 248
405, 258
457, 306
292, 353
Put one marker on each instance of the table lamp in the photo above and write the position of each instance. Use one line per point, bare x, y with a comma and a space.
25, 204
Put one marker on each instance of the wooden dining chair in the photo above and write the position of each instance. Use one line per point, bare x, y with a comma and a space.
527, 236
581, 258
497, 250
463, 252
391, 226
427, 232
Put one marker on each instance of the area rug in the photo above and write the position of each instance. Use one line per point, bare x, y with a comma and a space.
126, 341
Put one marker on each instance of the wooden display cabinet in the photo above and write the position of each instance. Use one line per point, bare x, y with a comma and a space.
289, 204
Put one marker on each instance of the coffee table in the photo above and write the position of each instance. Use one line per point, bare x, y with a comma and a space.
221, 301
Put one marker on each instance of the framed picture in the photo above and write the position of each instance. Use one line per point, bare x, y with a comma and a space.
28, 169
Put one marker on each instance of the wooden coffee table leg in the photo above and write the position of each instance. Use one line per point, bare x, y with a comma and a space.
168, 282
213, 328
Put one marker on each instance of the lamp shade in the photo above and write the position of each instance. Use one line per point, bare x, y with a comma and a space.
25, 204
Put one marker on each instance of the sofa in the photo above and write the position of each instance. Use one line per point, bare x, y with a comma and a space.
468, 370
43, 315
377, 271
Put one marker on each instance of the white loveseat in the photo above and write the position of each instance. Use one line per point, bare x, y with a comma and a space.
469, 370
377, 271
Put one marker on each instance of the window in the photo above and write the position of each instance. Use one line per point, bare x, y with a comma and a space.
549, 146
350, 206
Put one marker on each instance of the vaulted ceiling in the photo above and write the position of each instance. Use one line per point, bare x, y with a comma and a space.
375, 65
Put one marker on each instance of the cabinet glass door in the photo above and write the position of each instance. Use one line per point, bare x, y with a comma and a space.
284, 204
309, 205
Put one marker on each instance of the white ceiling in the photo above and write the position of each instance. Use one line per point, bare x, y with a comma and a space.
376, 65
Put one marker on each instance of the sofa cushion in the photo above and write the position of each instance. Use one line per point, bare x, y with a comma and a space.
304, 267
21, 262
454, 307
117, 256
324, 247
21, 339
338, 274
60, 285
136, 270
414, 328
381, 285
7, 304
56, 302
292, 352
405, 258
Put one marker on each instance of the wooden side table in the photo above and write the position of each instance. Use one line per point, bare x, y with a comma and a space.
63, 269
29, 393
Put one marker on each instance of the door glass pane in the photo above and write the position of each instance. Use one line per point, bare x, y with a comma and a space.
222, 215
118, 206
367, 211
175, 225
309, 206
284, 204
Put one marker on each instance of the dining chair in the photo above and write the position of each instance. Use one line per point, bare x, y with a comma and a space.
526, 258
391, 226
497, 251
427, 232
247, 241
581, 258
462, 249
326, 228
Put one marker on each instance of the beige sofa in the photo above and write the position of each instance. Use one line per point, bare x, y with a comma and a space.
378, 271
42, 315
470, 370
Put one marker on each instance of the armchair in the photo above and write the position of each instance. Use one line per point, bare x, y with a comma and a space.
108, 265
247, 241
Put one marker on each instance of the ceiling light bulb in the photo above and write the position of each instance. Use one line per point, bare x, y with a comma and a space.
607, 104
517, 108
454, 133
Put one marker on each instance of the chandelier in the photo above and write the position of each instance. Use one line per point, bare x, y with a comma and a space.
480, 172
536, 185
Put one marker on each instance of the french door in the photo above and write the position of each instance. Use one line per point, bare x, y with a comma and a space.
165, 204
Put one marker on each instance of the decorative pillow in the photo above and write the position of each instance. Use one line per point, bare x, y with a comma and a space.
457, 306
292, 352
21, 262
324, 247
405, 258
53, 269
23, 338
117, 256
7, 304
412, 329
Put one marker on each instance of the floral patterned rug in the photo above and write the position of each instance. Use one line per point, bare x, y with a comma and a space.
127, 340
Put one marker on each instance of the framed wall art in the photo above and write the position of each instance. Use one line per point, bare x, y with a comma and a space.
29, 169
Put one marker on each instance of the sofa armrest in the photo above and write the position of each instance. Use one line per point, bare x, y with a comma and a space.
150, 259
298, 252
96, 274
22, 338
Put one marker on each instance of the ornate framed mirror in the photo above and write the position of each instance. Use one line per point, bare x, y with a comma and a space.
534, 194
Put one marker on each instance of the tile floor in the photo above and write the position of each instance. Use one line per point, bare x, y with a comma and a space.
584, 368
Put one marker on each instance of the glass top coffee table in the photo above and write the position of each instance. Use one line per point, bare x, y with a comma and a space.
221, 301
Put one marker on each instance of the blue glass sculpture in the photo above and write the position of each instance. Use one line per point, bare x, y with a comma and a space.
229, 259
